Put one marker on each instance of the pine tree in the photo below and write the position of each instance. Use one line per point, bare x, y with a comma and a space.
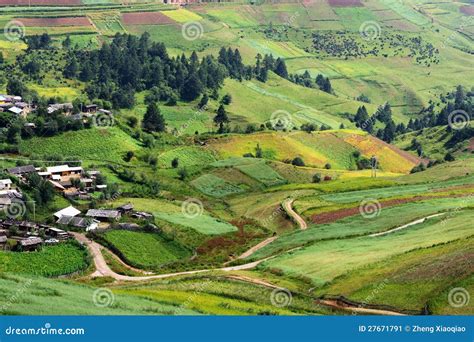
153, 121
280, 68
192, 88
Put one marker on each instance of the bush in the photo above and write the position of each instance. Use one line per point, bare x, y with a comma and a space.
327, 166
317, 178
298, 162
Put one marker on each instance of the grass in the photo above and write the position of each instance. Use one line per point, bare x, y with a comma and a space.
21, 295
358, 225
214, 186
187, 155
182, 15
145, 250
171, 212
89, 144
262, 173
324, 261
65, 258
410, 280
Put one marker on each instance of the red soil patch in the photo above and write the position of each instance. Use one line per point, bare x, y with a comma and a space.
470, 147
146, 18
469, 10
345, 3
343, 213
55, 22
39, 2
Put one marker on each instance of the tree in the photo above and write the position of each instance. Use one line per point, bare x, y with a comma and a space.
327, 166
221, 117
192, 88
16, 87
226, 99
297, 161
175, 163
72, 68
280, 68
67, 42
258, 152
182, 173
153, 121
204, 101
317, 178
449, 157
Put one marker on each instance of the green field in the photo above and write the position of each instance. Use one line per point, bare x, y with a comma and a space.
50, 261
324, 261
91, 144
214, 186
145, 250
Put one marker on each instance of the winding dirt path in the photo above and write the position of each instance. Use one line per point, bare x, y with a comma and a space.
406, 225
103, 270
335, 304
288, 206
257, 247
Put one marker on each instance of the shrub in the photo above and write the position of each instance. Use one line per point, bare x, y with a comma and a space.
317, 178
327, 166
298, 162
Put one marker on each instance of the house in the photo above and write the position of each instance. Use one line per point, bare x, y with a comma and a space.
57, 233
92, 108
17, 111
69, 211
129, 226
22, 171
3, 240
30, 244
5, 184
79, 222
66, 108
61, 171
126, 208
104, 214
142, 215
7, 197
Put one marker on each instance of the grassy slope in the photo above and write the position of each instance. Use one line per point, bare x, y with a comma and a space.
145, 250
324, 261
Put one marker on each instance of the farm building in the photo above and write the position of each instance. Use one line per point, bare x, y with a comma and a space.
104, 214
142, 215
21, 171
57, 233
79, 222
30, 244
5, 184
66, 108
69, 211
126, 208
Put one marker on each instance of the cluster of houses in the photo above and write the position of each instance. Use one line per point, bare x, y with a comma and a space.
29, 236
16, 105
72, 181
99, 218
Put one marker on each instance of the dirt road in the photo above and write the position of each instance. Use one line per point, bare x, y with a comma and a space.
288, 206
103, 270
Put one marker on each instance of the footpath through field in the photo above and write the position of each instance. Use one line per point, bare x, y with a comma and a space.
103, 270
288, 206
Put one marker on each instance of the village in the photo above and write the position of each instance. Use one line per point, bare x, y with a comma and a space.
17, 106
72, 182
